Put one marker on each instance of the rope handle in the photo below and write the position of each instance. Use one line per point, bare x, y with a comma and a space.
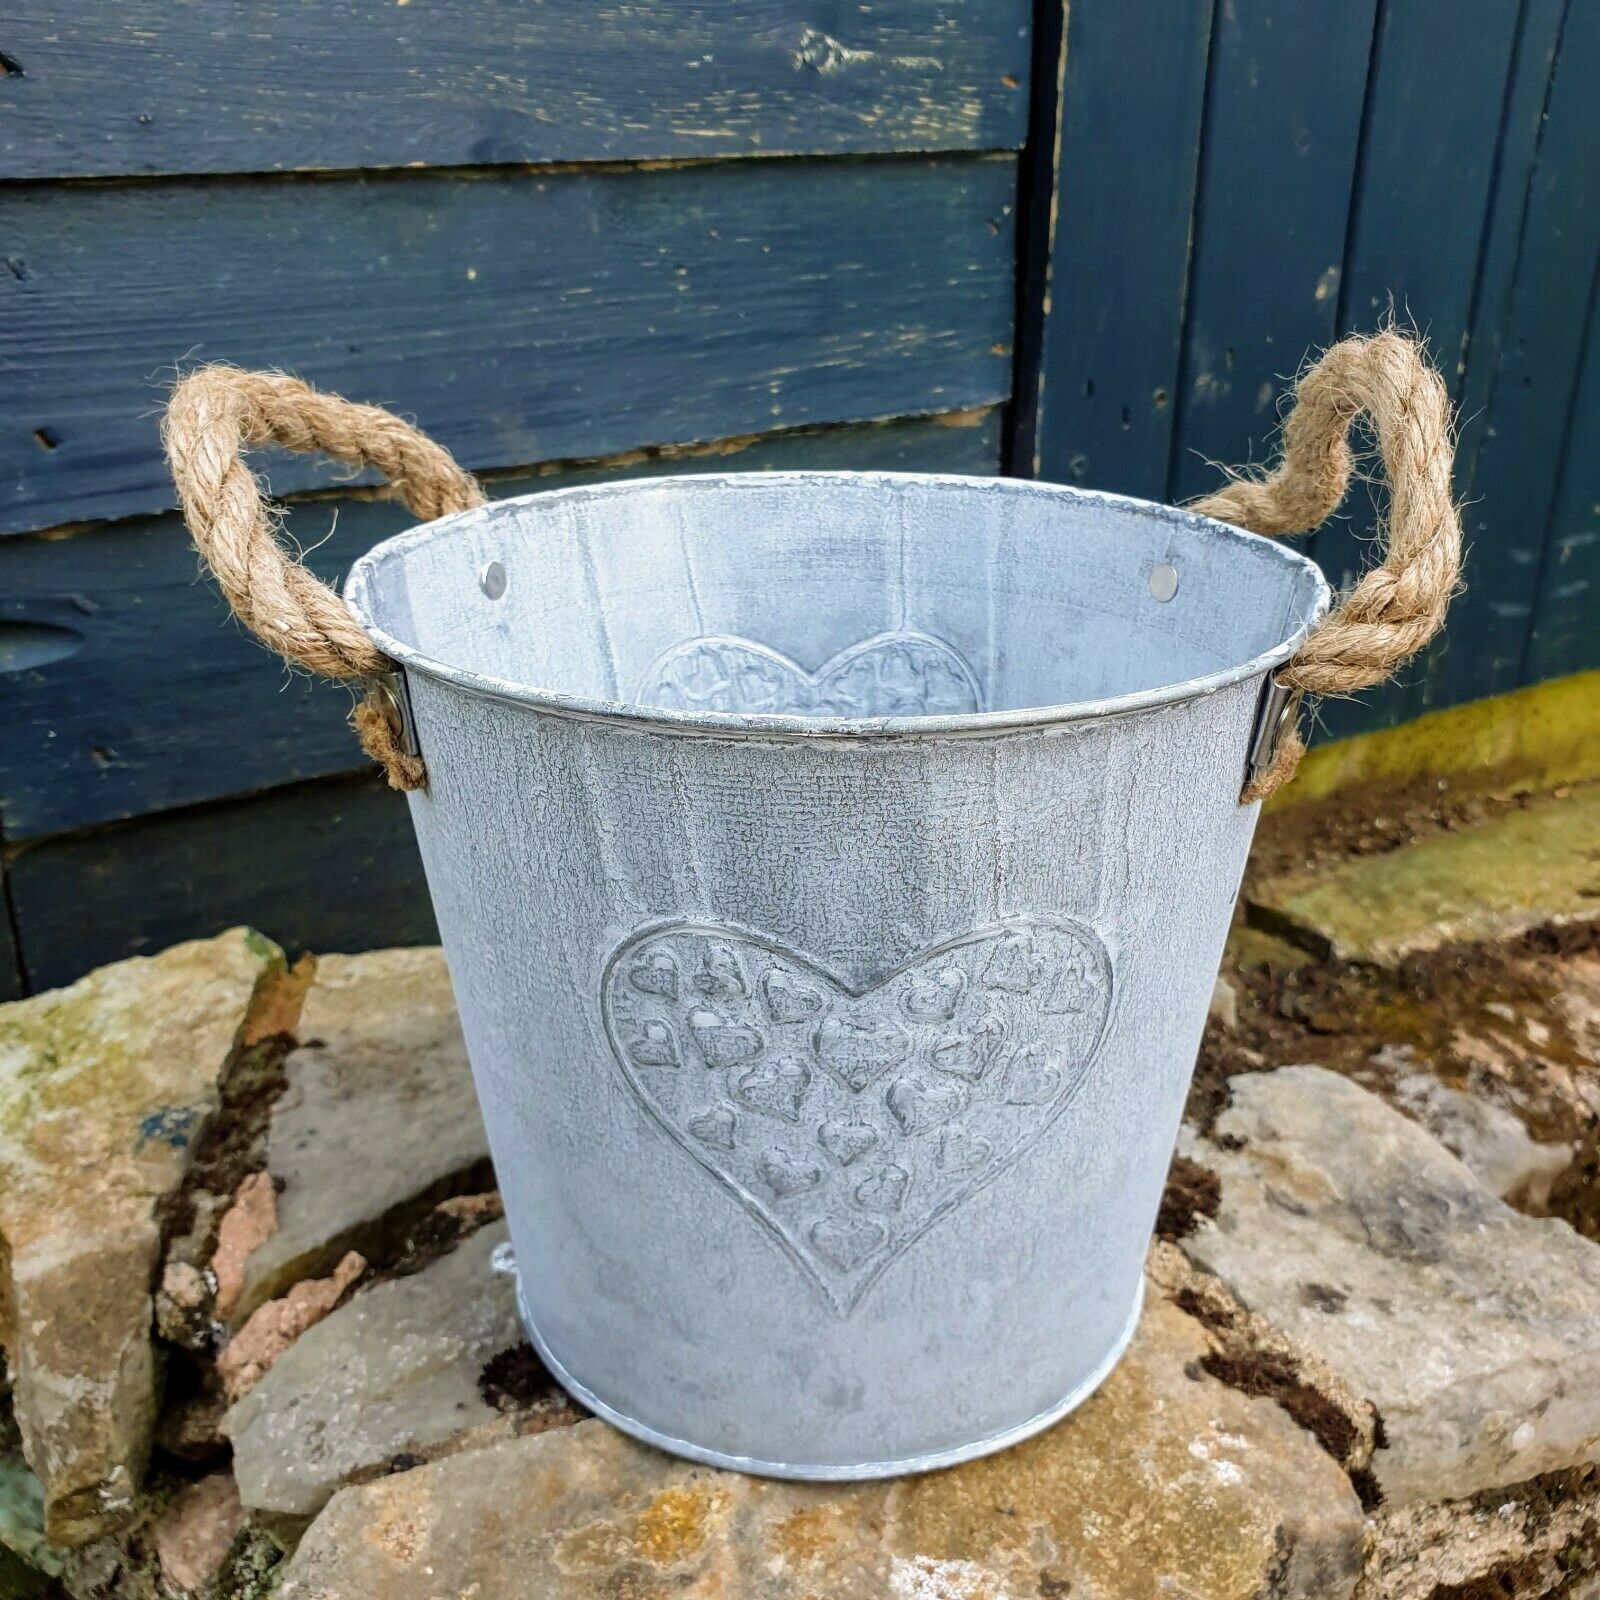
1399, 605
217, 412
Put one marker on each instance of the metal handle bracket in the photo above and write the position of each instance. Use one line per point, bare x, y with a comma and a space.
1278, 709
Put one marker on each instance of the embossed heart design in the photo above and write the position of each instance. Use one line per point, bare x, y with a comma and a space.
848, 1122
904, 674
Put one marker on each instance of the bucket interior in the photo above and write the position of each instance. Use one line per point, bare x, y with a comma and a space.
851, 595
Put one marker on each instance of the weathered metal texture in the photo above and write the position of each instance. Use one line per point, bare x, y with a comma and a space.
833, 870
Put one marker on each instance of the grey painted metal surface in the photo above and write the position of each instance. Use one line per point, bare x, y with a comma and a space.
833, 870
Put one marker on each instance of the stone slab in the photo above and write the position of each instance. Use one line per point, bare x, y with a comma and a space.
1474, 1330
1165, 1483
105, 1087
1539, 1538
393, 1372
378, 1121
1523, 868
1492, 1141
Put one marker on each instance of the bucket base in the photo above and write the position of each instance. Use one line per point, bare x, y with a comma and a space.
850, 1471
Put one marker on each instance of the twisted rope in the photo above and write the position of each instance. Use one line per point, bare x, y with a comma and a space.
216, 413
1398, 606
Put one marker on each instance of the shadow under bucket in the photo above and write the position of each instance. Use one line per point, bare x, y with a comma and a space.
833, 870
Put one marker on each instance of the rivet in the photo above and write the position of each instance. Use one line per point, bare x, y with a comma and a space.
1163, 581
492, 580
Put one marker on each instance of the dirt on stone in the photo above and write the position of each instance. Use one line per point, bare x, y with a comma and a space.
1516, 1022
234, 1143
515, 1379
1512, 1022
1371, 820
1192, 1192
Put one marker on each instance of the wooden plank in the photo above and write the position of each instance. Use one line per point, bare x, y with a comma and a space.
1532, 64
329, 866
11, 985
127, 689
1037, 209
1565, 635
1418, 224
520, 317
1283, 121
1434, 121
1133, 93
176, 86
1517, 465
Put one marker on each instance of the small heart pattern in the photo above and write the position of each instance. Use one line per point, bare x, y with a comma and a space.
903, 674
850, 1122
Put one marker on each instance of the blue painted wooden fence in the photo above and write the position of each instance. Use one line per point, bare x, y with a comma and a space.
1241, 181
582, 240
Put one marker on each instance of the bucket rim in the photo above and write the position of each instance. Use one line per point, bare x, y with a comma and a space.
359, 584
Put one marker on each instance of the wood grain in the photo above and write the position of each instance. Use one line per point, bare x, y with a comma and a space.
125, 687
517, 317
1418, 227
328, 866
1107, 373
184, 86
1565, 636
1513, 474
1283, 123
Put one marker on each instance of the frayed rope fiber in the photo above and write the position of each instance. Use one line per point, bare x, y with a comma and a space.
1398, 606
217, 412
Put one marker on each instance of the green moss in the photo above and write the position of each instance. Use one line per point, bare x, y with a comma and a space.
22, 1522
1538, 737
1527, 867
252, 1568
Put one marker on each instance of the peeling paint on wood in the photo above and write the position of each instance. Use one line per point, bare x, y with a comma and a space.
1346, 167
519, 318
1415, 241
188, 86
1512, 479
1565, 636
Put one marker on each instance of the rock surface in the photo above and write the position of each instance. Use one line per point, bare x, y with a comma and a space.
1540, 1538
252, 1352
378, 1121
104, 1088
393, 1372
1475, 1331
194, 1532
1520, 869
1224, 1008
1491, 1142
248, 1222
1165, 1483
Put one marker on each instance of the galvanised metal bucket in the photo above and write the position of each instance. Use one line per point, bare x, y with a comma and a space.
833, 870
